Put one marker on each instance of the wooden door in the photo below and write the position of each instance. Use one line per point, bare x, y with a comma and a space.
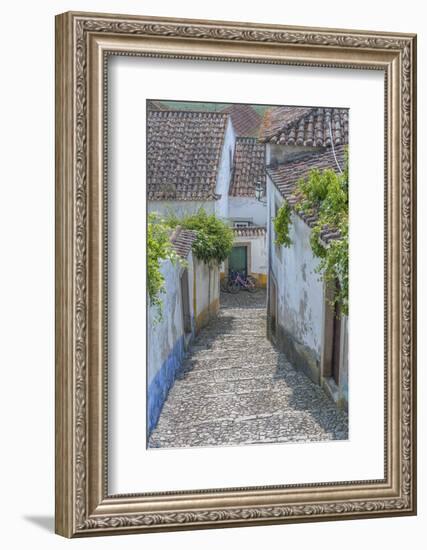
336, 344
238, 260
185, 300
273, 307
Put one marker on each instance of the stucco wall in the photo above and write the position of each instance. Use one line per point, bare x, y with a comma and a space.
225, 171
301, 287
300, 300
180, 208
301, 308
205, 293
166, 345
247, 209
343, 381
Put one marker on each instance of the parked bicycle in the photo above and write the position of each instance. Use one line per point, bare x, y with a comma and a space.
237, 280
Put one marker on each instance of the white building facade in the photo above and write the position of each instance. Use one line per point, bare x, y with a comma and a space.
190, 300
249, 254
301, 321
247, 214
190, 162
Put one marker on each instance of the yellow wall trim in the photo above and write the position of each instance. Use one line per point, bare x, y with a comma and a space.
261, 278
206, 315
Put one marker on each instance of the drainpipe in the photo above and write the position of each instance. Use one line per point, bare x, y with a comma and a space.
333, 148
268, 263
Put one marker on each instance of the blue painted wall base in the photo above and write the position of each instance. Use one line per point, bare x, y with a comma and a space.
162, 383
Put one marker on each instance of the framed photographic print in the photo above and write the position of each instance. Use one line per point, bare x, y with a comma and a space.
235, 274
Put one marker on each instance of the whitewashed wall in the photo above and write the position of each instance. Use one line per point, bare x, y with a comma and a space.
166, 346
247, 209
163, 334
225, 171
300, 299
166, 341
180, 208
206, 298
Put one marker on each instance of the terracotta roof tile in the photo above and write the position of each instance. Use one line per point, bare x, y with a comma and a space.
308, 126
246, 121
251, 231
285, 177
183, 154
248, 167
182, 241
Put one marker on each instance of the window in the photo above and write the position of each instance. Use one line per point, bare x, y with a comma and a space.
242, 224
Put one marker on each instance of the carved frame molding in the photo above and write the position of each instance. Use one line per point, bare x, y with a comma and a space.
83, 44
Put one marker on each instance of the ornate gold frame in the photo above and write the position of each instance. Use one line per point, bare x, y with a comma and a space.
83, 42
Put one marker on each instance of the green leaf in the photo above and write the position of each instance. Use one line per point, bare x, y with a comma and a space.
326, 193
281, 224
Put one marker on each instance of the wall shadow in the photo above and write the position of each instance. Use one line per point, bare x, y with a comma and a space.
311, 398
244, 299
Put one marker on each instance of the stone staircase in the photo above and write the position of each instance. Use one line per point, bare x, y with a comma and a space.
235, 388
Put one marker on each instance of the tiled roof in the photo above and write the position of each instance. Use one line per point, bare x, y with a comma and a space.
251, 231
183, 154
248, 167
246, 121
286, 176
182, 241
308, 126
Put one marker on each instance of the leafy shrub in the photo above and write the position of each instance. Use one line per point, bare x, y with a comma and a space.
214, 239
324, 193
159, 248
281, 225
212, 245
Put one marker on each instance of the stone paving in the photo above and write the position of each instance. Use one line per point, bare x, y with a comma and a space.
235, 388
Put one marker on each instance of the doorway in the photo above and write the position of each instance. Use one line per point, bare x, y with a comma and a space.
238, 260
332, 336
273, 308
336, 344
185, 300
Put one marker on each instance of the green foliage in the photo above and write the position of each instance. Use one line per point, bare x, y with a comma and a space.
212, 245
214, 239
159, 248
326, 194
281, 224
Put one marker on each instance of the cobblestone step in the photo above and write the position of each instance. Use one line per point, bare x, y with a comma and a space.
186, 388
268, 428
226, 360
236, 388
251, 403
231, 371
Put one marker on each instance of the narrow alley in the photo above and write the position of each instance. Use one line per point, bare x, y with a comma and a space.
235, 388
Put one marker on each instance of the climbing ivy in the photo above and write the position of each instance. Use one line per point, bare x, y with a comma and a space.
281, 223
324, 194
212, 245
214, 239
159, 248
